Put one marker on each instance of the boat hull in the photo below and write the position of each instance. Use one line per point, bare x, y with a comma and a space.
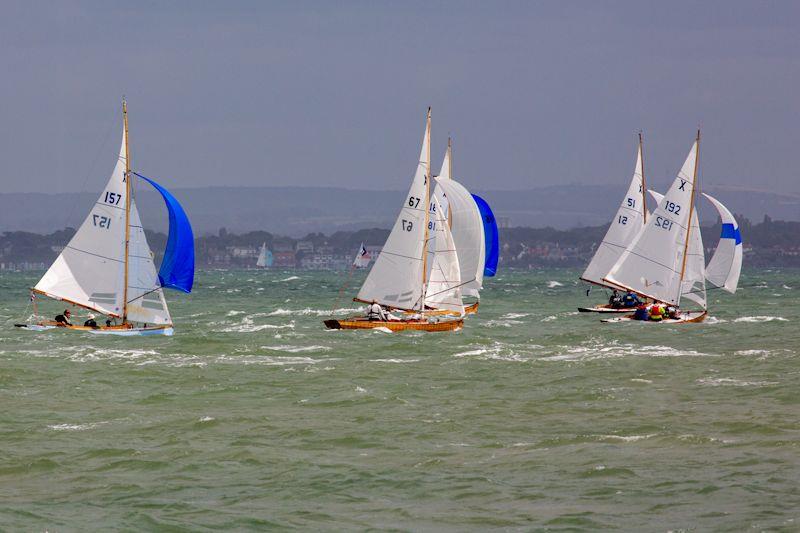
121, 331
395, 325
470, 309
605, 309
685, 318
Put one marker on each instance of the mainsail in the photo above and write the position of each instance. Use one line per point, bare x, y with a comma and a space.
693, 285
396, 278
726, 264
626, 224
90, 270
654, 264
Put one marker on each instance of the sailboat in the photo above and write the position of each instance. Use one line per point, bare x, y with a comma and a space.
630, 218
362, 258
400, 277
264, 257
456, 208
107, 267
666, 260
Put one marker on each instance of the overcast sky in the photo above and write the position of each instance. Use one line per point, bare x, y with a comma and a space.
334, 93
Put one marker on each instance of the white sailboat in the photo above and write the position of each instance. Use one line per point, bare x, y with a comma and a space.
107, 267
630, 218
666, 261
264, 257
399, 277
362, 258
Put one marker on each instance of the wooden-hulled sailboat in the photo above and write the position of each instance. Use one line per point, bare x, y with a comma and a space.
629, 219
107, 267
666, 261
399, 277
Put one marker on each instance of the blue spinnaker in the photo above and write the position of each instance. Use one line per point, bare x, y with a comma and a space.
490, 235
177, 268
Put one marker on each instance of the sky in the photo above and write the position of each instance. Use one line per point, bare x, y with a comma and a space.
335, 93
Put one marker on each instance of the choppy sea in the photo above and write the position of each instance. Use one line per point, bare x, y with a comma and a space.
533, 417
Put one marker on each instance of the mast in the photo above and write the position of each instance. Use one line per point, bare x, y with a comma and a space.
127, 211
427, 208
644, 185
449, 158
691, 209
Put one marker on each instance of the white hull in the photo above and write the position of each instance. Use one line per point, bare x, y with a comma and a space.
685, 318
132, 332
605, 309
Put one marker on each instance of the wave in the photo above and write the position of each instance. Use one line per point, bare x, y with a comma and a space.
290, 278
552, 284
76, 427
761, 319
717, 382
296, 349
314, 312
394, 360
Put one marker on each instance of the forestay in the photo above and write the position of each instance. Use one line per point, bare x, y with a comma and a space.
626, 224
90, 270
467, 229
726, 264
444, 284
396, 276
653, 263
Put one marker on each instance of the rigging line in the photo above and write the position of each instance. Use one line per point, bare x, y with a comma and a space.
145, 294
451, 288
91, 167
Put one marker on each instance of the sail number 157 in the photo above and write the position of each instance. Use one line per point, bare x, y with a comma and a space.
101, 221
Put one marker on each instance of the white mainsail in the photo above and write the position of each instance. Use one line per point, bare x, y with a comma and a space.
725, 266
145, 297
467, 230
89, 271
262, 256
444, 284
396, 277
626, 224
653, 264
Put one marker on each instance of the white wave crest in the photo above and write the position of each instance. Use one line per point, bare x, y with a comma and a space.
761, 319
717, 382
552, 284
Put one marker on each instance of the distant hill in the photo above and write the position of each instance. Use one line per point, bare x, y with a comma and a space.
296, 211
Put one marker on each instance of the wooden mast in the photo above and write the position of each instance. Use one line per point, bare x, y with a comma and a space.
128, 190
691, 208
449, 158
427, 208
644, 184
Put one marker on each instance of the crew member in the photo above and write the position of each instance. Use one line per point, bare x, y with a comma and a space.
90, 322
375, 312
615, 301
630, 299
641, 312
62, 320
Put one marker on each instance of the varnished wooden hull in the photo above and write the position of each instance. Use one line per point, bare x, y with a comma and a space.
605, 308
395, 325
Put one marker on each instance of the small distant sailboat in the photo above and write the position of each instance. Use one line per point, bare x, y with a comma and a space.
666, 260
107, 267
630, 218
400, 277
362, 258
264, 257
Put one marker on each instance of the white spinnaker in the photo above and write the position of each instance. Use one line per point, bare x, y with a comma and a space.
626, 224
693, 286
726, 264
89, 271
396, 277
262, 256
439, 203
467, 229
652, 263
145, 297
444, 283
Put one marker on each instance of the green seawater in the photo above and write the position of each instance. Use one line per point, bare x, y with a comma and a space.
532, 417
